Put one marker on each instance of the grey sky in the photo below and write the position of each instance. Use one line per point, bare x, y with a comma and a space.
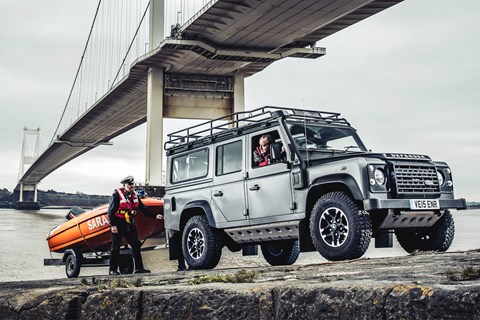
407, 78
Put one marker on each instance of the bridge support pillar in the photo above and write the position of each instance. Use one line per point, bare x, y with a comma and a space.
27, 196
239, 93
154, 159
182, 96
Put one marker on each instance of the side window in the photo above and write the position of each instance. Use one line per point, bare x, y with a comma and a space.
261, 148
229, 158
190, 166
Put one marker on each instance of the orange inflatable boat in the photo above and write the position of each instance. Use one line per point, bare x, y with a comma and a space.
90, 230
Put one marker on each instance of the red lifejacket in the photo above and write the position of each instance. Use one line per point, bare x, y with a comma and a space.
127, 204
265, 158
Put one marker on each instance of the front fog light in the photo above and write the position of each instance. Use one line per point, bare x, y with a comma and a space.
441, 179
379, 177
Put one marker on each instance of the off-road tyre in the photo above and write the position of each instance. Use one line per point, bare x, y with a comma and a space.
73, 264
438, 237
201, 244
280, 253
346, 238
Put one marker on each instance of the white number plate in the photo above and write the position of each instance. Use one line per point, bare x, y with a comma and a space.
425, 204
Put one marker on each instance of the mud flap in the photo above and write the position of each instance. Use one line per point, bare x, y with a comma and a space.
384, 239
175, 246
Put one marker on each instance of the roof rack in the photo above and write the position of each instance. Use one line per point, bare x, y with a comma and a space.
212, 129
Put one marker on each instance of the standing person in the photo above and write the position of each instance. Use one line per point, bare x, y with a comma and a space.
123, 207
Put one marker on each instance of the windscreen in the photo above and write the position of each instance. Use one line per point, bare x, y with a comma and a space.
326, 139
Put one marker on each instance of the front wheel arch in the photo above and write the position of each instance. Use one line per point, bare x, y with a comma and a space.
315, 192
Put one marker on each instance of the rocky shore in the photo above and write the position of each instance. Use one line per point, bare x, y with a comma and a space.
427, 286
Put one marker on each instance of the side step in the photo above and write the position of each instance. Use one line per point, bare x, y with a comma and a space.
265, 232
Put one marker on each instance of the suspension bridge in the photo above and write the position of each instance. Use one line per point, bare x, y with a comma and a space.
145, 61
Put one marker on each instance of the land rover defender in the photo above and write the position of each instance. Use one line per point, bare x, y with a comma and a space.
321, 189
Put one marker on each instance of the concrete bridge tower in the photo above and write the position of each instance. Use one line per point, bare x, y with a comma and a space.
182, 96
27, 192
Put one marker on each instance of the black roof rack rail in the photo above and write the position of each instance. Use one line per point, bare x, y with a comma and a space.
212, 129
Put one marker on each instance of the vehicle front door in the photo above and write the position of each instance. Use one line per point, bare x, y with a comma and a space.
268, 187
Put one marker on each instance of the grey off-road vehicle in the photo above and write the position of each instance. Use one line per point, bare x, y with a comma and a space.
320, 189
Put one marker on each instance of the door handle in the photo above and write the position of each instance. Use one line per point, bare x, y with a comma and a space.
218, 194
255, 187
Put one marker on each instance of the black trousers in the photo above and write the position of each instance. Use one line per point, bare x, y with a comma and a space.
128, 231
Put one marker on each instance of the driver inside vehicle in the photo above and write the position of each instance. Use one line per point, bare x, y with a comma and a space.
262, 154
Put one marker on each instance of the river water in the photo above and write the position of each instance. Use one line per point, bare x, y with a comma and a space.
23, 246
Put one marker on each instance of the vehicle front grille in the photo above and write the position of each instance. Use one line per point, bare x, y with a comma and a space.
415, 179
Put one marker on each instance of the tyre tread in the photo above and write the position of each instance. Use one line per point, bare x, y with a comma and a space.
361, 220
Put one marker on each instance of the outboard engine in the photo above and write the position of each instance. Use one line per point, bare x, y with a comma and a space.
74, 212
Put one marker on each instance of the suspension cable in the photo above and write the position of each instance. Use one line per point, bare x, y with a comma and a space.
131, 43
78, 70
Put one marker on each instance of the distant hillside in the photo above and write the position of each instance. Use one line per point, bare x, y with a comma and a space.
473, 204
55, 198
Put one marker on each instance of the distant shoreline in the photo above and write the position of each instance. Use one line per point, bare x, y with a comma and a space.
64, 207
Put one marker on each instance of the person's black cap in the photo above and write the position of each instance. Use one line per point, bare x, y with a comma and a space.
127, 179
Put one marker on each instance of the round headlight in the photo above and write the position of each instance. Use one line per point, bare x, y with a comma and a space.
441, 179
379, 176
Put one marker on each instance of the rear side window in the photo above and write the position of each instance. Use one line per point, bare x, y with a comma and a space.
229, 158
190, 166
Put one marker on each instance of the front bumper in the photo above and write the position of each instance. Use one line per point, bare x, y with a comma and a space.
378, 204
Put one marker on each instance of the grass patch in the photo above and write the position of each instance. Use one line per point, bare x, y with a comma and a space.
120, 283
464, 273
241, 276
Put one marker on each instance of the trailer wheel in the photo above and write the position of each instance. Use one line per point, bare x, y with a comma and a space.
73, 263
126, 264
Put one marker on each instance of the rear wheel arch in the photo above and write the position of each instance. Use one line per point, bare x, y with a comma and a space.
196, 208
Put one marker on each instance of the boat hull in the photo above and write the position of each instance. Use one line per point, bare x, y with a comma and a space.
90, 231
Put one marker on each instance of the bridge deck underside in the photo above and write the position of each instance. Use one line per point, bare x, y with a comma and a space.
229, 37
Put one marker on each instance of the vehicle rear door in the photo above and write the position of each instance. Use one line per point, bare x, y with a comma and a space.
228, 192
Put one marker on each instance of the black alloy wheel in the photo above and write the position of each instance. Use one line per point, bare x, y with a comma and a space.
201, 244
338, 228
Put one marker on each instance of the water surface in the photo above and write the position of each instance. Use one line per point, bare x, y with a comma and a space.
23, 246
